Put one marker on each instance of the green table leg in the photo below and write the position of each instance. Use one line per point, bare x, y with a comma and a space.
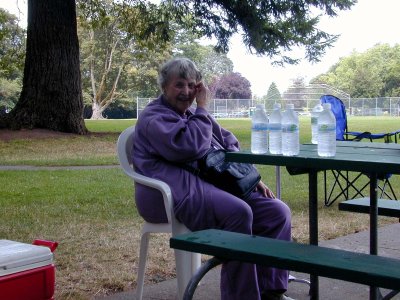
313, 225
373, 246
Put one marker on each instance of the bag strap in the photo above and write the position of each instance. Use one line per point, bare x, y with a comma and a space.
217, 142
191, 169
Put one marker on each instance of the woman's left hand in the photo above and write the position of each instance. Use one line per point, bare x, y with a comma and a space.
263, 189
203, 95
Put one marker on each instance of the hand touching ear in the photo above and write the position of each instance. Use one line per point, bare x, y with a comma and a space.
203, 95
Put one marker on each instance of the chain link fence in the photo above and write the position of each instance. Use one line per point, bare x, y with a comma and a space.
304, 99
243, 108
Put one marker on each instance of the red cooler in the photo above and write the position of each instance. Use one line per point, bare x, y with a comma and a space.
27, 271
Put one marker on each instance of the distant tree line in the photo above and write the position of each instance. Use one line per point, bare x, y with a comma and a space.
373, 73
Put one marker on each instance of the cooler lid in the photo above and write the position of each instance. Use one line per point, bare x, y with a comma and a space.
16, 256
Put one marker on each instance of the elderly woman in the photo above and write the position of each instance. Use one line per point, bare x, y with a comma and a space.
169, 131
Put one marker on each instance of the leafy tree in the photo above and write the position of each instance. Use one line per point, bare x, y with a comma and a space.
374, 73
116, 67
269, 28
212, 63
12, 46
9, 93
112, 58
231, 86
51, 96
104, 52
12, 54
297, 93
273, 96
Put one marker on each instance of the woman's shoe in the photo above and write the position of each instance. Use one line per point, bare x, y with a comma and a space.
274, 296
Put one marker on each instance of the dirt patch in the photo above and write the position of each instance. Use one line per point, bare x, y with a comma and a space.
37, 133
8, 135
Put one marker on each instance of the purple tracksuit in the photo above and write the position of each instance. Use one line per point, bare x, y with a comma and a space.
163, 135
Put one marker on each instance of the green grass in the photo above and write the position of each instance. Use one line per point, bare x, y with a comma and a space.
108, 125
91, 213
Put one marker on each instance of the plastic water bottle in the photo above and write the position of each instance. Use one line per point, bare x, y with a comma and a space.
326, 132
259, 131
275, 130
290, 132
314, 122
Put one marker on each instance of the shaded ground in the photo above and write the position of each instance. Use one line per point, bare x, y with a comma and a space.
7, 135
37, 133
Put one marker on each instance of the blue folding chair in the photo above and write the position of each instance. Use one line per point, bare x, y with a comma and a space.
342, 183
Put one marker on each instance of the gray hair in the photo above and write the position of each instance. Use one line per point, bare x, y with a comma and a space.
181, 67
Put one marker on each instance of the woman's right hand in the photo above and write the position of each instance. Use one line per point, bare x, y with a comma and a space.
203, 95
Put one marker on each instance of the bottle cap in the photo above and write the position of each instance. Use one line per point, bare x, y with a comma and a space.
277, 105
260, 106
317, 107
326, 106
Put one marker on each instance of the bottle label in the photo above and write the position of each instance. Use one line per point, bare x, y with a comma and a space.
289, 128
326, 128
314, 120
259, 126
275, 127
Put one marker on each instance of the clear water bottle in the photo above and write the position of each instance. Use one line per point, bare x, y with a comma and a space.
314, 122
275, 130
326, 132
259, 131
290, 132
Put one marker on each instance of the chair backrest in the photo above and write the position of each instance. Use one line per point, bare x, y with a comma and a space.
124, 149
339, 110
125, 153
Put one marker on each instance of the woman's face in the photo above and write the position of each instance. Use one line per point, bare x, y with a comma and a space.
180, 93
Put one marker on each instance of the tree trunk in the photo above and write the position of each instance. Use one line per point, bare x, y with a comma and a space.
97, 111
51, 96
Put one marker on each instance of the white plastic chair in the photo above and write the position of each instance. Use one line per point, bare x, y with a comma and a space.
186, 262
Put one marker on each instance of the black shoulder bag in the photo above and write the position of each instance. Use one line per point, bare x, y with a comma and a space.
239, 179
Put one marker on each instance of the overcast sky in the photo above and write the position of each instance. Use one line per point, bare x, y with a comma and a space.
368, 23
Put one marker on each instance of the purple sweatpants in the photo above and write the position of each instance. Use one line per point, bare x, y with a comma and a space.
259, 216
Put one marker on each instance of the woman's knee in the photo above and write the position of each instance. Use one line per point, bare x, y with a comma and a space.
283, 214
285, 211
239, 218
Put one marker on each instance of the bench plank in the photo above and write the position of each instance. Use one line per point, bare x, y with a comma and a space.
321, 261
389, 208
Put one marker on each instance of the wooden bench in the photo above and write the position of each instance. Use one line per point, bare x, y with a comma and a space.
389, 208
360, 268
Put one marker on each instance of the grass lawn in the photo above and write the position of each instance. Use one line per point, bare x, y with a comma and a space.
91, 212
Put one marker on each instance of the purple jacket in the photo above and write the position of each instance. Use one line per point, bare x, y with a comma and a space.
163, 135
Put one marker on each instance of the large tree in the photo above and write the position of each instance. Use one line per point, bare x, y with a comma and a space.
231, 86
269, 28
51, 96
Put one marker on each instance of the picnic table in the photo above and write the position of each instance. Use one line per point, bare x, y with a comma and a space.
370, 158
